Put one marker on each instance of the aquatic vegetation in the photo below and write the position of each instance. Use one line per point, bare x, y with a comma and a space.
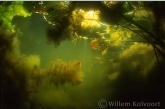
95, 44
22, 75
105, 26
111, 4
8, 12
61, 72
145, 18
32, 60
91, 19
86, 18
118, 36
137, 48
137, 54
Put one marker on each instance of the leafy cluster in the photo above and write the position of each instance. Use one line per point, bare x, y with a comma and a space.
7, 12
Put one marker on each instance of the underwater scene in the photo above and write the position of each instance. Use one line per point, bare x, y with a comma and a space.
82, 54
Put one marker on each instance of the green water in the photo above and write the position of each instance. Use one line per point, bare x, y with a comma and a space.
123, 69
95, 80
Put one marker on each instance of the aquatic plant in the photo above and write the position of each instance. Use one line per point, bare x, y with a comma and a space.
123, 22
60, 72
95, 44
10, 9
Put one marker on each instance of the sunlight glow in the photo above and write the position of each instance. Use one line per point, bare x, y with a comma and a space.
86, 19
91, 19
92, 15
